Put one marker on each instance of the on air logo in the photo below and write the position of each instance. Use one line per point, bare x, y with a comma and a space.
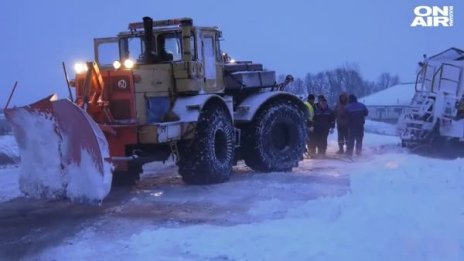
433, 16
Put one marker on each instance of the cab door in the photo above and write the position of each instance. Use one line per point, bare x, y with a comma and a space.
208, 58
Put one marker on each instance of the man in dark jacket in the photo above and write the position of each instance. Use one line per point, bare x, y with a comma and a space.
342, 122
324, 122
357, 113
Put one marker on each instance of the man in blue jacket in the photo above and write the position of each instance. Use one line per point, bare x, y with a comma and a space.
356, 113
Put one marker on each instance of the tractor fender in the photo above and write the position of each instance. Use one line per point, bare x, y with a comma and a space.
188, 108
186, 111
247, 109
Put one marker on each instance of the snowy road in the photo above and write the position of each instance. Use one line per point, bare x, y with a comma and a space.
161, 199
385, 205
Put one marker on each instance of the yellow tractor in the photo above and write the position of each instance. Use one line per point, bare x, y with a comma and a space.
165, 89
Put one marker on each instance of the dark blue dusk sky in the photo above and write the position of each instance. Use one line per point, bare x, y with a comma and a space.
292, 36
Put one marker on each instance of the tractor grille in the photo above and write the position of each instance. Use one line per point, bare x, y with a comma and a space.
115, 83
118, 83
118, 92
120, 96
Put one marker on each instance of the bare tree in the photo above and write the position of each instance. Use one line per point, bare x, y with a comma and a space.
386, 80
345, 78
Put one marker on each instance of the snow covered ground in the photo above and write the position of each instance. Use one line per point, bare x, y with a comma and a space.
9, 152
9, 156
385, 205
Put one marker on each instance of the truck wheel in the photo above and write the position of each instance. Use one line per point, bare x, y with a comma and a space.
208, 158
275, 140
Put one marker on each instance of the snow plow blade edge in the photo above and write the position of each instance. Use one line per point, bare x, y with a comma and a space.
58, 128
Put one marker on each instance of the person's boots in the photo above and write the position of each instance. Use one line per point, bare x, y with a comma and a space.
340, 149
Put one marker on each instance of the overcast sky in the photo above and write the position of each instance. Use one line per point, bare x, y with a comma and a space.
292, 36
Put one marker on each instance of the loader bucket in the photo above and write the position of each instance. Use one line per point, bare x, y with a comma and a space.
63, 151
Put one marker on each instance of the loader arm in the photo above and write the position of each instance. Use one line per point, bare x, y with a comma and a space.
93, 96
93, 84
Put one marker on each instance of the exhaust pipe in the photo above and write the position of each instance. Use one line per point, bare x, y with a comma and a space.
148, 40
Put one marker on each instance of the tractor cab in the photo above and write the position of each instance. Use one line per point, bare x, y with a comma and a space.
159, 42
149, 66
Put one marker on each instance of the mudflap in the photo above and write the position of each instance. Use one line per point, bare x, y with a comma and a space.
64, 154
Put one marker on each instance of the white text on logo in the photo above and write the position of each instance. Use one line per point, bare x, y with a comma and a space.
433, 16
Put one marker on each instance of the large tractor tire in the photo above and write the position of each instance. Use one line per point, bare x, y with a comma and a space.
275, 139
208, 158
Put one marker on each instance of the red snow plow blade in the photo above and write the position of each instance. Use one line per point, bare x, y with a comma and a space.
61, 145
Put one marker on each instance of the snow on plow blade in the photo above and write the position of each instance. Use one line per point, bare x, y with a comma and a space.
62, 150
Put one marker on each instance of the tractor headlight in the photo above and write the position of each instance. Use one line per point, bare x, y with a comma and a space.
116, 65
80, 68
129, 64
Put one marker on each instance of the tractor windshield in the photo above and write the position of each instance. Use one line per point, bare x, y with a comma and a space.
166, 47
169, 45
171, 42
107, 52
131, 48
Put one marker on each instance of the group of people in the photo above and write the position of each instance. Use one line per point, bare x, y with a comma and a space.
348, 115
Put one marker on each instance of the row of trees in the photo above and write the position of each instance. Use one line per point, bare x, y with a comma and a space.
331, 83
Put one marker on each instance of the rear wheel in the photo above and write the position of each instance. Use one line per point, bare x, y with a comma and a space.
208, 158
275, 139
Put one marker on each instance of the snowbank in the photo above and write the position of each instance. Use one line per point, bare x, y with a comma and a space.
9, 183
380, 128
44, 172
9, 152
400, 94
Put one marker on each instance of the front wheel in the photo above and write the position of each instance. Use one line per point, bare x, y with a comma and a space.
275, 139
208, 158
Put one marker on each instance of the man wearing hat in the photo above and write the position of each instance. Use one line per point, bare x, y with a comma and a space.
357, 113
324, 122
